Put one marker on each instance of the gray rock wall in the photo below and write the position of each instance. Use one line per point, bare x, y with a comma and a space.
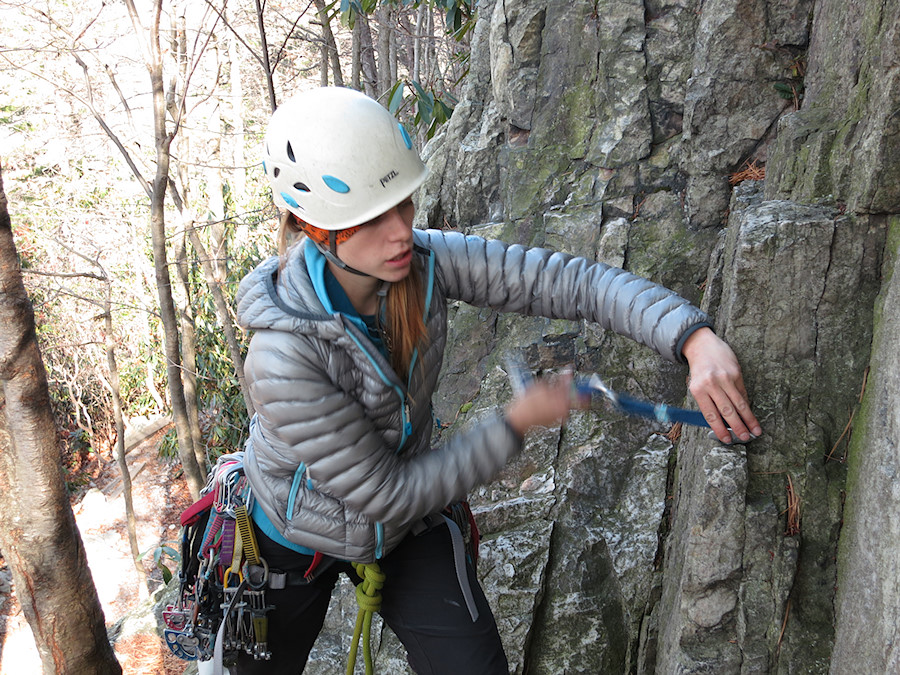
750, 583
611, 130
845, 141
868, 599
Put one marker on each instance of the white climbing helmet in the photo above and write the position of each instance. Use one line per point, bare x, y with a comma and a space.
336, 158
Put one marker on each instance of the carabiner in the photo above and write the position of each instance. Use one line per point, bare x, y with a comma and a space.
228, 573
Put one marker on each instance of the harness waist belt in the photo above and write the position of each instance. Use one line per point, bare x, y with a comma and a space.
279, 579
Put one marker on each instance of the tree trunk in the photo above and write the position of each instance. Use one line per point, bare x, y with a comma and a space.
383, 42
429, 56
394, 75
193, 473
189, 347
116, 395
323, 64
216, 192
224, 316
38, 535
221, 304
267, 65
330, 52
356, 58
419, 42
367, 56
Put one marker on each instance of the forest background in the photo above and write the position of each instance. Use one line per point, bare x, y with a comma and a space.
634, 132
130, 140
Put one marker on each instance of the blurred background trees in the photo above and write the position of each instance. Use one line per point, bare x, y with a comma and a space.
121, 120
129, 137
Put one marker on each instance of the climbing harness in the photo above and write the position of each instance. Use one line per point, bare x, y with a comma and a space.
221, 607
461, 514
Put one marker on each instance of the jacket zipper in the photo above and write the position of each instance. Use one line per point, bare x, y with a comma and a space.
295, 488
405, 414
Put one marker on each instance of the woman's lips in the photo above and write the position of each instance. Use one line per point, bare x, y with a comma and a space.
402, 259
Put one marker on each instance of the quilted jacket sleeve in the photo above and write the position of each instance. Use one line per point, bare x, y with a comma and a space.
555, 285
304, 416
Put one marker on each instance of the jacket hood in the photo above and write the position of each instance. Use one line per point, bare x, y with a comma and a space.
290, 305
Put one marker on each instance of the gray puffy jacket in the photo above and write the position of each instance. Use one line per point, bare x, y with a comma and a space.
339, 453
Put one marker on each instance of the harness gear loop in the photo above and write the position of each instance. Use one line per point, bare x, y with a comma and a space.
368, 597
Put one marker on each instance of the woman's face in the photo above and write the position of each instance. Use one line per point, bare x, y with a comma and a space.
382, 247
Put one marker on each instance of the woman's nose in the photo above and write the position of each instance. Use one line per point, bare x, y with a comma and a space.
395, 224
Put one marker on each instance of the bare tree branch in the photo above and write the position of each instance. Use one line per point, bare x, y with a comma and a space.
267, 67
106, 128
65, 275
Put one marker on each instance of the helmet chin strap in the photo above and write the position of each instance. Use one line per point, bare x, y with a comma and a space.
330, 254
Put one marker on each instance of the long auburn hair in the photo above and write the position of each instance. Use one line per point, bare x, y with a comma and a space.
404, 327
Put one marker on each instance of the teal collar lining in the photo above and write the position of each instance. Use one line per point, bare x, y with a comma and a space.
333, 297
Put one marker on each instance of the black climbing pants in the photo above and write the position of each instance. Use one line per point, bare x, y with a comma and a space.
421, 602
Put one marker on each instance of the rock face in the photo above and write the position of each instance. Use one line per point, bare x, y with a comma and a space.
611, 129
749, 579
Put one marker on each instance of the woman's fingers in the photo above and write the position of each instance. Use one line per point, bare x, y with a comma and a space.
725, 405
718, 386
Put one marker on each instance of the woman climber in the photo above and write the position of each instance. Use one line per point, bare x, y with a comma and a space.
350, 326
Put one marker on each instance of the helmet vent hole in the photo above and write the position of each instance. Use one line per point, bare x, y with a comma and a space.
290, 152
301, 186
276, 171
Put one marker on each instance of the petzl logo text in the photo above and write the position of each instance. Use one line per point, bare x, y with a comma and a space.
387, 179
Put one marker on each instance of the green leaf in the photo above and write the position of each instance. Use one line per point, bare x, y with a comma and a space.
452, 18
443, 111
166, 573
426, 111
396, 98
172, 553
419, 91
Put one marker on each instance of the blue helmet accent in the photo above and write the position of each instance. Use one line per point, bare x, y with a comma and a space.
264, 167
406, 138
290, 200
336, 184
